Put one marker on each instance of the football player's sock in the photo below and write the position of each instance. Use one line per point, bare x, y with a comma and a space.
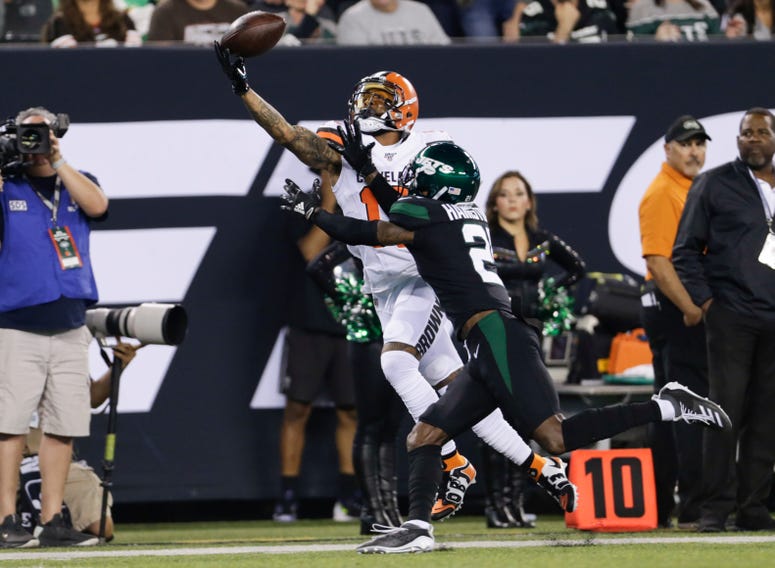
666, 409
501, 437
451, 460
449, 448
535, 463
595, 424
424, 480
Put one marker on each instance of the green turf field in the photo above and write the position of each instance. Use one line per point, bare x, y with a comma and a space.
462, 541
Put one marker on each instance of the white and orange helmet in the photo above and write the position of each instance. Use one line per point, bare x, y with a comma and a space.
402, 105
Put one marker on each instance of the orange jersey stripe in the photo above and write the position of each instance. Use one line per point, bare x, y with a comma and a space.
330, 134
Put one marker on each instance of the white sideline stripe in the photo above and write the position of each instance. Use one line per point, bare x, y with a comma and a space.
297, 548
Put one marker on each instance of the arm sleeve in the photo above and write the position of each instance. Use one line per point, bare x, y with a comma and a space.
568, 259
385, 193
690, 243
348, 230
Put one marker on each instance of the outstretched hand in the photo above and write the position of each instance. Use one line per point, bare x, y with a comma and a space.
298, 201
234, 69
353, 150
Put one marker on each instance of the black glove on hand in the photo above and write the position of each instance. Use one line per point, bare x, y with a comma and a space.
297, 201
353, 150
235, 70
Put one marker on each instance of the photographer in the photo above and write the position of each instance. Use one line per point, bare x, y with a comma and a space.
46, 283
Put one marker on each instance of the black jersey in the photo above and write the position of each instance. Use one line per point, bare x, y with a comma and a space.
453, 252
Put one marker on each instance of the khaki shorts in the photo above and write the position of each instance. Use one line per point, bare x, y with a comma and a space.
48, 372
83, 496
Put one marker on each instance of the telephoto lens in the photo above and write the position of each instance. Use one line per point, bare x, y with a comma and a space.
150, 323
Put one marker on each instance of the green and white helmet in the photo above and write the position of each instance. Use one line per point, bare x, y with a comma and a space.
442, 171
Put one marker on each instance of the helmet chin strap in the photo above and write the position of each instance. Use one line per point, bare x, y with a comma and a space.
373, 125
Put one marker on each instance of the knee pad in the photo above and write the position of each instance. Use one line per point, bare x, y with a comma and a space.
439, 368
441, 359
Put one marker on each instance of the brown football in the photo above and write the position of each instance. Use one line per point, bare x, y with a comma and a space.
253, 33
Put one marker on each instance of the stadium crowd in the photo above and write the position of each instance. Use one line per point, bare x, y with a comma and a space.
67, 23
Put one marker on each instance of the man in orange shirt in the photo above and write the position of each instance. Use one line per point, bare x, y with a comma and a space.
672, 321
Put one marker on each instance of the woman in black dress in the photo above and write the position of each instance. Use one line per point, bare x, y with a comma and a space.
527, 257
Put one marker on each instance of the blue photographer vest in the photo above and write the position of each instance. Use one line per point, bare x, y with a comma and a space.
30, 273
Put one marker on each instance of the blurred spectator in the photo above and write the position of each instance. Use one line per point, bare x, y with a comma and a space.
140, 11
447, 12
193, 21
674, 20
584, 21
92, 21
308, 19
390, 22
272, 6
24, 19
485, 18
750, 18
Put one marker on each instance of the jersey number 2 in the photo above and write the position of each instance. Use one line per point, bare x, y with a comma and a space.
480, 251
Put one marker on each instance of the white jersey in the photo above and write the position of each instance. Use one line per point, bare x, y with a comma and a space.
381, 265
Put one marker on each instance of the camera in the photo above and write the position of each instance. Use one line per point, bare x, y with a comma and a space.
19, 139
160, 324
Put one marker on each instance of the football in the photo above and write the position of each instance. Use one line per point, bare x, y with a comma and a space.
253, 33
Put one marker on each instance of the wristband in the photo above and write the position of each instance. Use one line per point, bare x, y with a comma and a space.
58, 164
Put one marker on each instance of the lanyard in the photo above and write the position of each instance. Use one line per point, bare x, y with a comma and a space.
53, 207
765, 202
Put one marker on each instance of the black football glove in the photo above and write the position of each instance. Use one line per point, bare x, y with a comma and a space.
353, 150
297, 201
235, 70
